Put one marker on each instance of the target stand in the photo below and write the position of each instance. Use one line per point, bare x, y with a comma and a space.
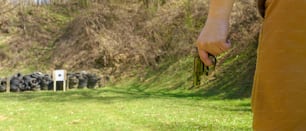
8, 85
59, 75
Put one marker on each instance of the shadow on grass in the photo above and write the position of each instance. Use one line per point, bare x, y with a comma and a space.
236, 79
200, 126
107, 95
111, 96
233, 81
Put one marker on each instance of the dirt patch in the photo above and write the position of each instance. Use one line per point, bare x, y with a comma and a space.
104, 38
2, 118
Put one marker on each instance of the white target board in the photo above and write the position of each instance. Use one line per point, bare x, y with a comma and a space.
59, 75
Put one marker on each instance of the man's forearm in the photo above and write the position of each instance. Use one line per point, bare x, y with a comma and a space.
212, 39
220, 9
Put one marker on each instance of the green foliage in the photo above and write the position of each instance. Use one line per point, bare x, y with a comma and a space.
84, 3
231, 79
153, 3
189, 21
121, 34
119, 109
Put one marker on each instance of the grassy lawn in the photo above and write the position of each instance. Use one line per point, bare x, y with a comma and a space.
120, 109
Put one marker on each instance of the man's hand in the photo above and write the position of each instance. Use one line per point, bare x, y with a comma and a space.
213, 38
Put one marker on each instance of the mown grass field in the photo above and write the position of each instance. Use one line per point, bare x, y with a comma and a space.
120, 109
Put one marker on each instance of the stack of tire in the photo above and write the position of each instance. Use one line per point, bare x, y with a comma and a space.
83, 80
39, 81
2, 85
32, 82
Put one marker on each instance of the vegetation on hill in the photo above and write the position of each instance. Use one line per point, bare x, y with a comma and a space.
144, 43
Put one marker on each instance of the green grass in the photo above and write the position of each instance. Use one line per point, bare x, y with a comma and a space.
120, 109
231, 80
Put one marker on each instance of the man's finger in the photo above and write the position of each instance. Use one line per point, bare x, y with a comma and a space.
227, 45
224, 46
204, 57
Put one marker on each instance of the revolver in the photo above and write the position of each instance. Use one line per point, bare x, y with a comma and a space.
199, 68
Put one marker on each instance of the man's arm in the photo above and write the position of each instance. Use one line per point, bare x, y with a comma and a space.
220, 9
212, 39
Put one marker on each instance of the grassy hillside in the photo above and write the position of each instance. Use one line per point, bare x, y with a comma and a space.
26, 38
147, 52
232, 79
148, 47
235, 69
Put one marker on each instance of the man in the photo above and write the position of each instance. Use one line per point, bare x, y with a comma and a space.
279, 90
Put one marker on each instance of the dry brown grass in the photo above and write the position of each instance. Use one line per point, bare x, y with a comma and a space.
104, 37
113, 37
2, 118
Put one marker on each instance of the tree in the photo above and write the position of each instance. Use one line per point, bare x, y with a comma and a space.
6, 7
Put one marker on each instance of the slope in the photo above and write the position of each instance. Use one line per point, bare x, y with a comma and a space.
148, 48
